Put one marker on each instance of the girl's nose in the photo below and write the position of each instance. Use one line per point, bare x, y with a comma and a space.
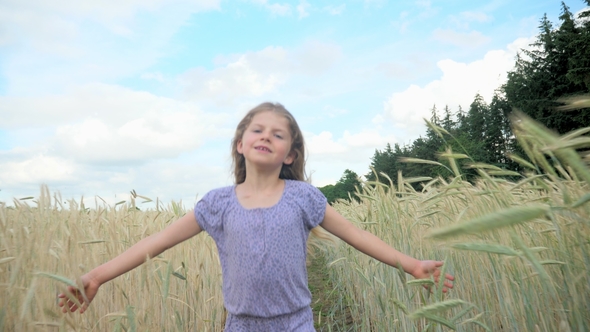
265, 136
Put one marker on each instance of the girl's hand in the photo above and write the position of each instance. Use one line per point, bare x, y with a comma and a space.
90, 290
425, 269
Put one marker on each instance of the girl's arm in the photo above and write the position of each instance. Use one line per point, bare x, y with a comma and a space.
373, 246
151, 246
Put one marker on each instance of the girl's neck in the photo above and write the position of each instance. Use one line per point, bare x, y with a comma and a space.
257, 183
260, 192
260, 180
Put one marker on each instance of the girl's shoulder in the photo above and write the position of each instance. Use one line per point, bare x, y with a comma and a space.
219, 194
302, 191
308, 200
212, 205
298, 185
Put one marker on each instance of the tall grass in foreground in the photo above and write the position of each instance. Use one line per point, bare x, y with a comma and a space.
42, 244
520, 250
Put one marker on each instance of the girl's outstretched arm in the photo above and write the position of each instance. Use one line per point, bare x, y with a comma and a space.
151, 246
373, 246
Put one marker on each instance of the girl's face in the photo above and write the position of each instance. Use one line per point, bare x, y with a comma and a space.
267, 141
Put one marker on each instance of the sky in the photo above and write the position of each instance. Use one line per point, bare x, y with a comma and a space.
99, 98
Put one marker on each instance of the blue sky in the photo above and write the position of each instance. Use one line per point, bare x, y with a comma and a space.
104, 97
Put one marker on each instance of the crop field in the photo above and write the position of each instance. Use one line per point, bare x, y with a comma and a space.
517, 243
42, 246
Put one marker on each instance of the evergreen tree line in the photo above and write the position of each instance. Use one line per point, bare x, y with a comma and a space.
555, 68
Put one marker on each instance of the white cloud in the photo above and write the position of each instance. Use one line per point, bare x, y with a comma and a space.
469, 39
37, 169
111, 124
302, 9
252, 74
315, 58
330, 156
279, 9
424, 3
111, 13
463, 20
113, 104
157, 76
457, 86
335, 10
476, 16
426, 9
163, 179
58, 44
348, 148
153, 136
374, 3
276, 9
255, 74
333, 112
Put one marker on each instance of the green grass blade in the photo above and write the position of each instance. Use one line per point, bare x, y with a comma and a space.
2, 318
521, 161
400, 305
583, 200
440, 320
131, 318
504, 173
420, 161
576, 143
6, 260
484, 326
462, 313
64, 280
437, 307
492, 221
420, 282
486, 247
417, 179
441, 281
546, 280
27, 303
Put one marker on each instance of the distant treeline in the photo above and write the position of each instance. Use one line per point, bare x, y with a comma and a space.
556, 67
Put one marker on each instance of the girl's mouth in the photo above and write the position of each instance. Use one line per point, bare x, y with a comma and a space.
262, 148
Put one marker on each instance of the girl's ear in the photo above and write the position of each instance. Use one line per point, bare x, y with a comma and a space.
239, 147
290, 158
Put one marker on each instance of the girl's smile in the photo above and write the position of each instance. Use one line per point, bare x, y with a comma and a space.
262, 148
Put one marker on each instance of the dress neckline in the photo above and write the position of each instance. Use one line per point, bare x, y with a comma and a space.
235, 197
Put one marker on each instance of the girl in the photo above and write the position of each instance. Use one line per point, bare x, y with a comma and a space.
260, 227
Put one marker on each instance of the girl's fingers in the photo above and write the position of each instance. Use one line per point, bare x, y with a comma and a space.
67, 300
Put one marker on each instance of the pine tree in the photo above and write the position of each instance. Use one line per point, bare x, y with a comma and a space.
555, 68
447, 122
476, 119
579, 62
498, 131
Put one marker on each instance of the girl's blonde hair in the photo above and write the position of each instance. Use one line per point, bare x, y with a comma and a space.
294, 171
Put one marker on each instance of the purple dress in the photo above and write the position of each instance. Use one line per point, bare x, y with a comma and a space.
263, 254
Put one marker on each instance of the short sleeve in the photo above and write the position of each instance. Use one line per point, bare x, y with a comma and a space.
313, 202
208, 212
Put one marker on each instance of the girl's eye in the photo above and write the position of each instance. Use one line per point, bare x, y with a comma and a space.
278, 136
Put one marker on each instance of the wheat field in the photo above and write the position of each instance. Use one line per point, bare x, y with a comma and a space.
45, 245
519, 247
